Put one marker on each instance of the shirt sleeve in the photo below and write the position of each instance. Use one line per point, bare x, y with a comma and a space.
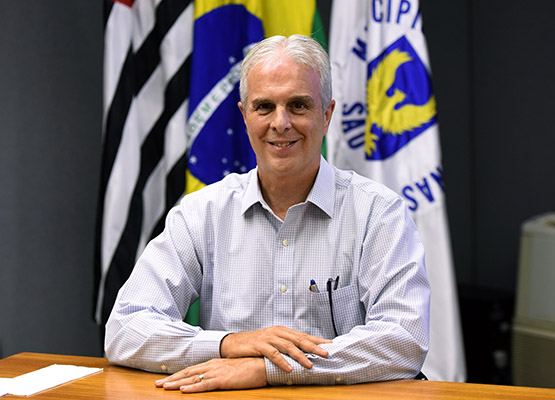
145, 329
395, 292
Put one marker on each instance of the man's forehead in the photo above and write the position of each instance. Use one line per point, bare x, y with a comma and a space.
303, 98
273, 62
298, 79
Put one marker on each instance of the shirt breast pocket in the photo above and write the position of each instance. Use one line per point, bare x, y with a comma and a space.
348, 312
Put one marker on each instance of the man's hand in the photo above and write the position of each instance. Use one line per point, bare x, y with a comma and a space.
271, 342
241, 373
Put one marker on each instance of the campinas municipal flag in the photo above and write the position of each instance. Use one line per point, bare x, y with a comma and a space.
385, 127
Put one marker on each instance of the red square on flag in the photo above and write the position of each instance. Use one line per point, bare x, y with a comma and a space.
128, 3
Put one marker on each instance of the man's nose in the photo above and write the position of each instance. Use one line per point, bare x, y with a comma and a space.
281, 122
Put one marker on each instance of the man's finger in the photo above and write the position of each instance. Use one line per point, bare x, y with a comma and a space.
294, 352
306, 343
202, 386
178, 383
309, 346
171, 378
275, 356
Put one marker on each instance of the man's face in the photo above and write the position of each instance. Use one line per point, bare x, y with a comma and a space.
285, 119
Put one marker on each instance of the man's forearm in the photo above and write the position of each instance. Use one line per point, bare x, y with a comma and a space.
158, 345
359, 356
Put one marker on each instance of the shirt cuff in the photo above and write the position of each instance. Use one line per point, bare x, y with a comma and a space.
278, 377
300, 375
206, 345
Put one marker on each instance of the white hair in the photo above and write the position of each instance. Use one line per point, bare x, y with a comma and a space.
301, 49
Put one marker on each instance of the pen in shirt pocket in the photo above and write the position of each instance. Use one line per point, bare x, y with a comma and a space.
332, 282
313, 286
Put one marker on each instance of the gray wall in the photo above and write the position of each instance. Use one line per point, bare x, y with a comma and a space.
50, 123
492, 64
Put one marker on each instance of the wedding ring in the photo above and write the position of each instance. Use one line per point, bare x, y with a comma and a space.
201, 377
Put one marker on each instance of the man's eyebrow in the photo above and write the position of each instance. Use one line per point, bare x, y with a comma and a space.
300, 98
256, 102
303, 99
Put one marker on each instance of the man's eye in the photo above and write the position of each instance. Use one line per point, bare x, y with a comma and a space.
297, 106
264, 107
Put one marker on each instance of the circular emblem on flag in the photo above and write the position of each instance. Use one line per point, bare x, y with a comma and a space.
220, 144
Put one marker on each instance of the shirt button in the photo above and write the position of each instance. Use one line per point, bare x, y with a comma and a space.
164, 368
285, 242
283, 288
337, 380
289, 382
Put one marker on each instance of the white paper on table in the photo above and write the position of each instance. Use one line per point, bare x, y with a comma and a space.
4, 383
44, 378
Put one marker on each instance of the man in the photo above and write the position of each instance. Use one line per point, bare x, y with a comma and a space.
306, 274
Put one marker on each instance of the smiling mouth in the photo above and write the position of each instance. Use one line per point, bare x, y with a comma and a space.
282, 144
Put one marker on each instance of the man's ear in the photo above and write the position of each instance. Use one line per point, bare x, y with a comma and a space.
328, 113
240, 105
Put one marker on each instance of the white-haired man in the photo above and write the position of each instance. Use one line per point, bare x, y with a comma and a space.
306, 274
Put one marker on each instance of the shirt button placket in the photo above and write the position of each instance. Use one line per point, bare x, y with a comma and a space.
284, 243
284, 277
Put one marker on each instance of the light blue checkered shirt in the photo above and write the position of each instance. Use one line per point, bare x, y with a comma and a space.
251, 270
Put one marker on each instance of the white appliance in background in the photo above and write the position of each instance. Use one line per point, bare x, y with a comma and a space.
534, 320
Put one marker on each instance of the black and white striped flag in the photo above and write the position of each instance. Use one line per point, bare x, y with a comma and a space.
148, 45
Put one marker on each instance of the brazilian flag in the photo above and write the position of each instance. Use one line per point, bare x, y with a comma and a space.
224, 31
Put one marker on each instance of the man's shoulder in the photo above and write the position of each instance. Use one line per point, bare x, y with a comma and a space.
349, 180
230, 184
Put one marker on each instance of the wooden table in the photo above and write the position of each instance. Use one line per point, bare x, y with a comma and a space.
124, 383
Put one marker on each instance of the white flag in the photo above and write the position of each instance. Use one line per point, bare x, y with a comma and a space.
385, 127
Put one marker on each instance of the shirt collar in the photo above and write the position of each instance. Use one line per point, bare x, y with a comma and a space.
253, 194
321, 195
